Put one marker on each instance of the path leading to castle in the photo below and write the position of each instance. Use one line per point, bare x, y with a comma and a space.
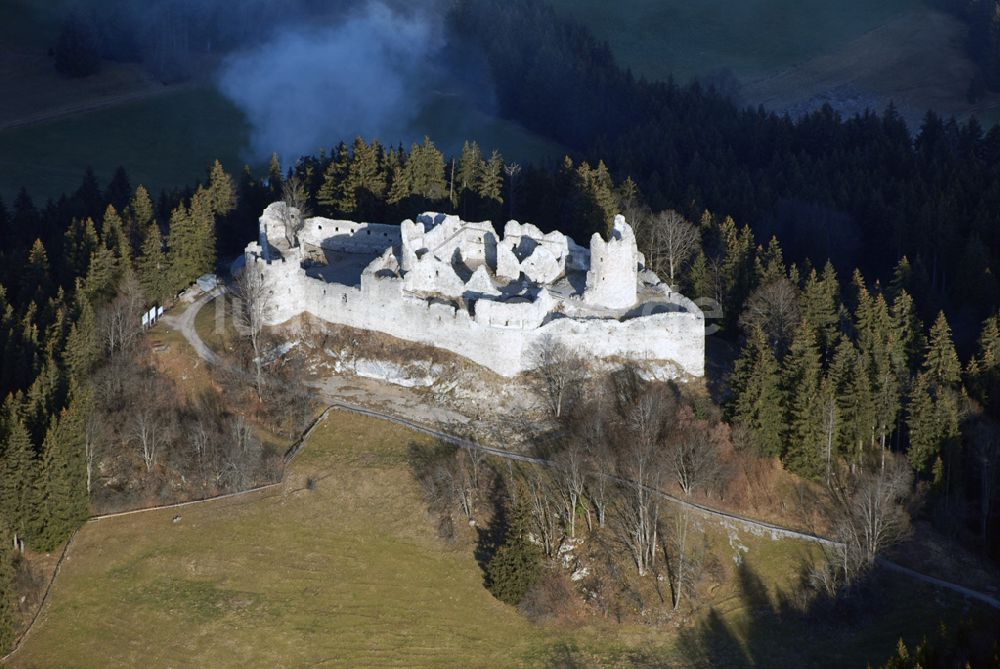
434, 420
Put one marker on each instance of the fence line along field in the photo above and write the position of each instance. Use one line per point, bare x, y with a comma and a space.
343, 566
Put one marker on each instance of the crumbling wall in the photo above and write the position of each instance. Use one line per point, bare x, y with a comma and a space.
420, 298
612, 278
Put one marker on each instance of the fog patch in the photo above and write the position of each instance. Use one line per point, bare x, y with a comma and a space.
308, 88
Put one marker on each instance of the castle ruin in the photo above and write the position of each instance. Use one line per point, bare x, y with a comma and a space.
459, 286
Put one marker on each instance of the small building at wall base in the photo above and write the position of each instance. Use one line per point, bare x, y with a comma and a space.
493, 299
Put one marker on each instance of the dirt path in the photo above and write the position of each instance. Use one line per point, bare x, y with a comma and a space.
184, 323
757, 527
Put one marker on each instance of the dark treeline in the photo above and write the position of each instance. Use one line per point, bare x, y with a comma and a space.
372, 182
87, 421
861, 192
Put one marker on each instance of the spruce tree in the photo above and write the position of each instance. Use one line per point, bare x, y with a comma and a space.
737, 268
275, 178
400, 182
141, 215
36, 277
116, 240
803, 371
490, 184
83, 348
425, 169
516, 565
221, 191
102, 276
941, 361
203, 224
758, 400
184, 253
331, 193
820, 305
17, 474
151, 267
769, 265
8, 604
470, 166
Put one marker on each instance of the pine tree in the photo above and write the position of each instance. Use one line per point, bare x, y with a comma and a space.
400, 183
7, 597
941, 361
801, 382
737, 268
758, 398
275, 178
152, 266
490, 184
17, 475
470, 167
516, 565
83, 349
221, 191
117, 241
332, 191
769, 265
425, 169
102, 276
185, 249
203, 223
36, 276
820, 305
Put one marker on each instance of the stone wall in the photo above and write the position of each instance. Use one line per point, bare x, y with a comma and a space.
500, 333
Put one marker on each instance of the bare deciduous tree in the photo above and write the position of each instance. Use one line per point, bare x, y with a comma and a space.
868, 515
121, 320
642, 468
775, 309
93, 436
557, 375
296, 211
693, 452
149, 432
670, 242
251, 309
541, 493
570, 468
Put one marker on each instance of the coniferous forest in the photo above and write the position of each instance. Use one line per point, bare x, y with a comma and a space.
855, 261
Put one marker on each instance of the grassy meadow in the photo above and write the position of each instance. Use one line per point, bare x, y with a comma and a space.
657, 38
351, 573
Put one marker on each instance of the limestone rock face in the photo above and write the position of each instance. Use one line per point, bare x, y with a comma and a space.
614, 265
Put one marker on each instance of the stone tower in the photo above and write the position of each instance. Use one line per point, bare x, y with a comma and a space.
613, 274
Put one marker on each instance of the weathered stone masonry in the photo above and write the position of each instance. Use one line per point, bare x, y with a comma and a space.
458, 286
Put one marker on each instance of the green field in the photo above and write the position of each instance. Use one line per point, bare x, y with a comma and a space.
168, 141
657, 38
352, 574
163, 142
